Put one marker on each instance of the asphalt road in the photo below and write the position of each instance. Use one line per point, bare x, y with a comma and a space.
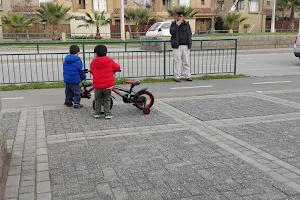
20, 99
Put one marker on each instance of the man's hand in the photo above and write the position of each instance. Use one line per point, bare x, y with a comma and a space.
179, 21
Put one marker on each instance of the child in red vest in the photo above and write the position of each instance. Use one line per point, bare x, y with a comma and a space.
103, 69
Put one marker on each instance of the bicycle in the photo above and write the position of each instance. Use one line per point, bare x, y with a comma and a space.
137, 98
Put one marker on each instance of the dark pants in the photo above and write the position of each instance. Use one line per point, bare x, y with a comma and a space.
72, 91
102, 95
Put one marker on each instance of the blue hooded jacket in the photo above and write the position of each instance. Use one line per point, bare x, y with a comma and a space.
72, 69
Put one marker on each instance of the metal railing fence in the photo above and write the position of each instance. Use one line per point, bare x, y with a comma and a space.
30, 62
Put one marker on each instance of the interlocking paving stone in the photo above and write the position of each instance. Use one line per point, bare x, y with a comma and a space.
155, 166
280, 139
230, 107
10, 124
69, 120
290, 96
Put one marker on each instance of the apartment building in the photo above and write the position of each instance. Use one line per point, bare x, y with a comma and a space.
253, 9
78, 9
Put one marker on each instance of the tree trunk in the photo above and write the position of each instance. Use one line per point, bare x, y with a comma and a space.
98, 36
137, 32
129, 28
55, 35
17, 35
292, 19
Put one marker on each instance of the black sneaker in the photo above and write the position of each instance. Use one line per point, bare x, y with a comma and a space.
77, 106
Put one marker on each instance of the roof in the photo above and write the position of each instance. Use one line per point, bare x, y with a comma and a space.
204, 11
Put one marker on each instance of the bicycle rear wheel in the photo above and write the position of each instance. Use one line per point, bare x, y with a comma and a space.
143, 100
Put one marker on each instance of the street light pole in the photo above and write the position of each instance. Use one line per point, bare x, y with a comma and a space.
122, 21
273, 17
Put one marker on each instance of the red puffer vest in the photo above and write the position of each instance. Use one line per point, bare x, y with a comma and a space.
103, 69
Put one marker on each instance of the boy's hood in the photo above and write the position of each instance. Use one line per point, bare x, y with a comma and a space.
102, 61
71, 58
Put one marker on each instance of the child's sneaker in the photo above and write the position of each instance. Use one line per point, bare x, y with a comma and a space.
97, 116
102, 111
77, 106
108, 116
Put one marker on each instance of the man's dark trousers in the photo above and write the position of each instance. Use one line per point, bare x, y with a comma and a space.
73, 91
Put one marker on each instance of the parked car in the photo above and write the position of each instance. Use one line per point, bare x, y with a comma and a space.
159, 29
297, 46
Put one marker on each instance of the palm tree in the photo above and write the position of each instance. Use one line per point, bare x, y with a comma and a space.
54, 14
188, 11
292, 5
96, 19
137, 16
233, 19
18, 22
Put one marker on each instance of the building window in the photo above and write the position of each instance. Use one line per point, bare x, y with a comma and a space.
239, 5
202, 2
186, 3
221, 6
202, 21
268, 3
82, 4
1, 4
99, 5
253, 6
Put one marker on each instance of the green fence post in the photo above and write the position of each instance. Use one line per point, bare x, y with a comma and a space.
235, 56
165, 60
125, 46
83, 56
37, 48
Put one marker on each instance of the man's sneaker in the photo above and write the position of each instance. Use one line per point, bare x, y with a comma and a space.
108, 116
97, 116
188, 79
177, 79
77, 106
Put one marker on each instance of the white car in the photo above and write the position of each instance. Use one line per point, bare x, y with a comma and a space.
297, 46
159, 29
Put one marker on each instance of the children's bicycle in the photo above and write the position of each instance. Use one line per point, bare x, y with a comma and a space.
141, 99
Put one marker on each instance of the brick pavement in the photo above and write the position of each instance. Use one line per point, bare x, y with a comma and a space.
235, 146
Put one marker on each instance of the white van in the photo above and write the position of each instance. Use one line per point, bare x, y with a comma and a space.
159, 29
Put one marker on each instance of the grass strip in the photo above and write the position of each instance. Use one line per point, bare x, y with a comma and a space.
39, 85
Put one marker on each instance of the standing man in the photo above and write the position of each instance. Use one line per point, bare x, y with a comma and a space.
181, 42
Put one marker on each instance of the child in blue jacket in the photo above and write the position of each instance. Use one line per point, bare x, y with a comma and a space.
73, 75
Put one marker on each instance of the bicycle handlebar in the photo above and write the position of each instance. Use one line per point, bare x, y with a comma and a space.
88, 71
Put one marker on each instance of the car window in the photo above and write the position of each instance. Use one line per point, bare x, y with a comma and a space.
165, 26
154, 27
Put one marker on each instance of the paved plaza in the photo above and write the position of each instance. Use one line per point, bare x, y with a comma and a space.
241, 146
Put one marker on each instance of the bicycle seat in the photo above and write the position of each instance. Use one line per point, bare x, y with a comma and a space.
133, 82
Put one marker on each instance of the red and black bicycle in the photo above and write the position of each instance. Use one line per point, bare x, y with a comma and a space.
142, 99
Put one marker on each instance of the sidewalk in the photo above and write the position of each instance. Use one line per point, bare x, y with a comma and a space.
229, 146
